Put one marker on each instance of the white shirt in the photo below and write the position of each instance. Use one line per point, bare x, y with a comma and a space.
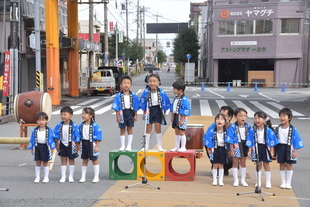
154, 99
86, 132
242, 133
220, 139
65, 134
260, 136
283, 135
41, 136
175, 103
127, 101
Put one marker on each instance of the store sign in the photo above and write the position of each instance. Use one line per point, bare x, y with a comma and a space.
6, 75
243, 43
259, 12
243, 49
255, 12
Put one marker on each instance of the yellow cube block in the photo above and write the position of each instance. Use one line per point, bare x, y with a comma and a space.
149, 163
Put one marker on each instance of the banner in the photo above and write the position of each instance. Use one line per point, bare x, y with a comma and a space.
120, 37
111, 26
6, 75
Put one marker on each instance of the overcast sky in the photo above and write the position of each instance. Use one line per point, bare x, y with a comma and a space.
169, 11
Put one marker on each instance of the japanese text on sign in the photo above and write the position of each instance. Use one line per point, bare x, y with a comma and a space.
259, 11
243, 49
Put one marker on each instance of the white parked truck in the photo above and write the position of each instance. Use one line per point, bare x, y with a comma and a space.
103, 81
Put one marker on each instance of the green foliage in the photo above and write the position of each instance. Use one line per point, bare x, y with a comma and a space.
132, 50
185, 43
161, 56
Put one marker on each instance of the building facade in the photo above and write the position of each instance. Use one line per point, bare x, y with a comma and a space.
257, 40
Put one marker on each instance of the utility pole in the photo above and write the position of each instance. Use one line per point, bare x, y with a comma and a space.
138, 11
144, 33
127, 21
106, 40
116, 45
141, 23
157, 40
90, 38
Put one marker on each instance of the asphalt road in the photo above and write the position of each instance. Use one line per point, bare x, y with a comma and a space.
17, 168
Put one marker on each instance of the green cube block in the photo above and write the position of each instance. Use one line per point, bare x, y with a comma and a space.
115, 173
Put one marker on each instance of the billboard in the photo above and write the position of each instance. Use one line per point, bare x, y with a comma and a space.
153, 28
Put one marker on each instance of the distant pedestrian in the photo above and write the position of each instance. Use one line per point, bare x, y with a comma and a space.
126, 104
67, 138
286, 150
41, 143
91, 136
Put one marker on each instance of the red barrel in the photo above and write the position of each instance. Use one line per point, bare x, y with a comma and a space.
28, 104
194, 134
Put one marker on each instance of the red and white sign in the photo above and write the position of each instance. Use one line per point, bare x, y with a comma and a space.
6, 75
111, 27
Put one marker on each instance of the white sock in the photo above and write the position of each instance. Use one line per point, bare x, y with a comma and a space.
243, 175
63, 170
128, 148
221, 176
235, 175
214, 175
159, 142
177, 143
122, 141
46, 173
147, 141
71, 172
96, 174
268, 178
37, 170
83, 179
183, 143
289, 175
283, 178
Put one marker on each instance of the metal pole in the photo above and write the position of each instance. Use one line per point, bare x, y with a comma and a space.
137, 22
90, 38
37, 37
127, 20
187, 70
106, 40
156, 43
116, 45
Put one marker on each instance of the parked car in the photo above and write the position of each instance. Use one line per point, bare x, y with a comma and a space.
102, 82
148, 66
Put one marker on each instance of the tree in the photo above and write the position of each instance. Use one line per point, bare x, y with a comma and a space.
161, 56
185, 43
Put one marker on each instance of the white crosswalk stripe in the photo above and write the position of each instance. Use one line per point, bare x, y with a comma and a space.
205, 108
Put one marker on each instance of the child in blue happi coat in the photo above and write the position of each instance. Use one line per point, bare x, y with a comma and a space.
154, 102
261, 141
91, 136
180, 108
126, 104
289, 143
215, 141
66, 133
236, 136
41, 143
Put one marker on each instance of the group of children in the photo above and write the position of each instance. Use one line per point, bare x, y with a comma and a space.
261, 142
68, 138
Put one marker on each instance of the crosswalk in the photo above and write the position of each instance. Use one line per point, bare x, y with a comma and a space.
199, 107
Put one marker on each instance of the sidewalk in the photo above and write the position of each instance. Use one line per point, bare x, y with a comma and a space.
199, 192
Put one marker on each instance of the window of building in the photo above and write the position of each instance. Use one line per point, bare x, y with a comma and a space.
290, 26
263, 26
244, 27
226, 27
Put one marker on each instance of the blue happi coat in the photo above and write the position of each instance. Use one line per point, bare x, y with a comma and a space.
117, 103
165, 101
97, 134
75, 134
184, 109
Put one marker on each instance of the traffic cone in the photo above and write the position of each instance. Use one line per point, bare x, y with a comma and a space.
255, 88
202, 86
228, 86
283, 87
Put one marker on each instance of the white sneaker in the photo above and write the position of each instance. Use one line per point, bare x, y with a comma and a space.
71, 180
160, 149
214, 182
288, 185
37, 180
268, 185
236, 183
244, 184
62, 180
128, 149
82, 180
182, 149
173, 149
283, 185
46, 180
122, 149
221, 183
95, 180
